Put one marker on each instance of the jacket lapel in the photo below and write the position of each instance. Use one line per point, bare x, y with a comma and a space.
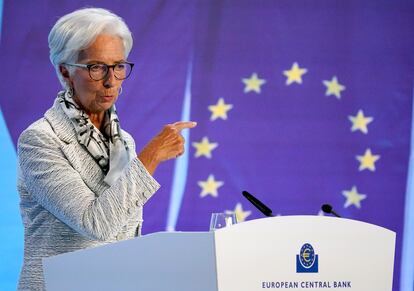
77, 155
61, 123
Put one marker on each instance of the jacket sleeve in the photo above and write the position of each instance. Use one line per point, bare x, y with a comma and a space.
59, 188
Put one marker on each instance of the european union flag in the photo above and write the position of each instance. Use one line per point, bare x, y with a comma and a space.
301, 105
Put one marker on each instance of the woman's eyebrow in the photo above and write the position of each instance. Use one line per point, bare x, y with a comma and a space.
101, 62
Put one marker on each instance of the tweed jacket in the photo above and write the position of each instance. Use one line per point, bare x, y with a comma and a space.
64, 202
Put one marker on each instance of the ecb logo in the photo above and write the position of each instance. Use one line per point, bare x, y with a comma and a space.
307, 260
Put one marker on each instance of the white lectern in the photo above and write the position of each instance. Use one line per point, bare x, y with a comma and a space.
290, 252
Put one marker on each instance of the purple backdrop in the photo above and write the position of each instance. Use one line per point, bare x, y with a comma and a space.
290, 144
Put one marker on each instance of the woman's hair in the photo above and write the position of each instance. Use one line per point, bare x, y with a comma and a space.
76, 31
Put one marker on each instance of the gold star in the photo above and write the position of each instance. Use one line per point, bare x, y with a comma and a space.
204, 147
253, 83
240, 214
353, 197
333, 87
219, 110
294, 74
360, 122
210, 186
367, 161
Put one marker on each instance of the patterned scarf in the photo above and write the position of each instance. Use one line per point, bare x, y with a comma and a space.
108, 148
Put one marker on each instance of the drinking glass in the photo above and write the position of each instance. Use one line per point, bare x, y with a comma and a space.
220, 220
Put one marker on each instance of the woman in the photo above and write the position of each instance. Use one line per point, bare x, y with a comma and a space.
80, 181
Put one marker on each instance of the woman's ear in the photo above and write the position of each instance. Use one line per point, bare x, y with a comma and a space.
64, 71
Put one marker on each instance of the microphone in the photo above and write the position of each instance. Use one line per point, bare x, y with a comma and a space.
258, 204
329, 210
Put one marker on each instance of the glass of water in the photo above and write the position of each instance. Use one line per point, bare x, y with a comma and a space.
220, 220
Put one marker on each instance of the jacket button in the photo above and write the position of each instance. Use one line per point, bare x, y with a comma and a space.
129, 210
137, 203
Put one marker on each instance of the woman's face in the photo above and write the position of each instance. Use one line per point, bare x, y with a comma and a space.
98, 96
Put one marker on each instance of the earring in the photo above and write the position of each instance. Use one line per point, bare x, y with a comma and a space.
120, 90
69, 92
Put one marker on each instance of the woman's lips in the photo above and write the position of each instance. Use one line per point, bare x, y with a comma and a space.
108, 97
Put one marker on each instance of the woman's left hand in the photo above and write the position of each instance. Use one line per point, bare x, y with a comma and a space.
168, 144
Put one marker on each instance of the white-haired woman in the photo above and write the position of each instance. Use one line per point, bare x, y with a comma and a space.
80, 181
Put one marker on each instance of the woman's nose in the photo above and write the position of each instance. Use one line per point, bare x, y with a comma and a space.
109, 80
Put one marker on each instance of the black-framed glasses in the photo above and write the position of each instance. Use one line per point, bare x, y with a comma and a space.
99, 72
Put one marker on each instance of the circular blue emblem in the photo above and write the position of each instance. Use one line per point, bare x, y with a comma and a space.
307, 255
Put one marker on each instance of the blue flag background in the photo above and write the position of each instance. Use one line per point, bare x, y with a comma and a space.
301, 103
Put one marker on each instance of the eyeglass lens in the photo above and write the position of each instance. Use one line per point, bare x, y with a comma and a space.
100, 71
